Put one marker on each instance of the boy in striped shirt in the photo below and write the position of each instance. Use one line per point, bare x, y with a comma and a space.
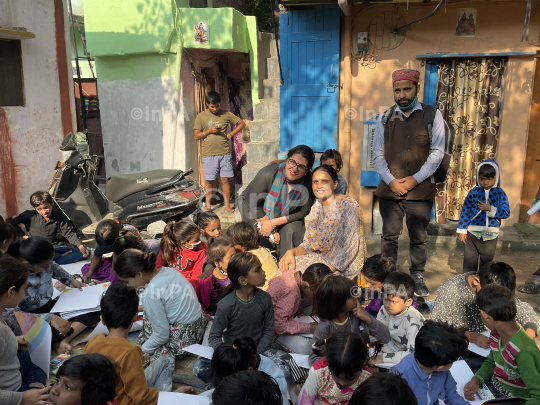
512, 368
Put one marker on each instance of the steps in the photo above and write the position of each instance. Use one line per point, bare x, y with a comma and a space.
267, 109
264, 130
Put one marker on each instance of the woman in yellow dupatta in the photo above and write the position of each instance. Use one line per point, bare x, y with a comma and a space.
334, 231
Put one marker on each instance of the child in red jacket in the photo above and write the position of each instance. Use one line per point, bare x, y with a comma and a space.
182, 250
214, 280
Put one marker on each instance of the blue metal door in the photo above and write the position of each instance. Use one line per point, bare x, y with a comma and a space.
309, 43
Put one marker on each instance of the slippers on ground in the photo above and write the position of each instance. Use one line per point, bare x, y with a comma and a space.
231, 211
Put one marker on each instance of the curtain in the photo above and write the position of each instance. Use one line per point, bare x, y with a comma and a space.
241, 105
469, 97
200, 106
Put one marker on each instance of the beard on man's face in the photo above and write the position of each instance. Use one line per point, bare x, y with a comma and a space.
405, 101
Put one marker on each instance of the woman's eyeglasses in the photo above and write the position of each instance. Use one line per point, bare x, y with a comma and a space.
292, 164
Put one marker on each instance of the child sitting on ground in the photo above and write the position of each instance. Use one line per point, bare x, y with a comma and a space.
332, 157
38, 253
172, 315
383, 389
375, 270
244, 310
45, 222
246, 239
287, 291
18, 374
340, 311
484, 208
209, 225
126, 240
343, 368
182, 250
100, 267
211, 283
135, 385
8, 234
254, 386
87, 379
401, 319
512, 367
456, 305
437, 347
238, 355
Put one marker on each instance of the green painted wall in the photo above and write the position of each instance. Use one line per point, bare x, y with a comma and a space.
127, 26
136, 67
137, 39
222, 28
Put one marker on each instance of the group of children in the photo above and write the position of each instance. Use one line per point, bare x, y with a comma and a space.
197, 286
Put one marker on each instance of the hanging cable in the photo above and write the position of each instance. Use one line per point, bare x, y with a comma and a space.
406, 27
272, 7
527, 22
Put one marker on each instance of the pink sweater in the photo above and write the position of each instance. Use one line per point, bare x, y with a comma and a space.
286, 300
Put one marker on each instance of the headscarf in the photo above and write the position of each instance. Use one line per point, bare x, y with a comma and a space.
274, 204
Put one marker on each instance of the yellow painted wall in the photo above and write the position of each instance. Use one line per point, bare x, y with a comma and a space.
499, 27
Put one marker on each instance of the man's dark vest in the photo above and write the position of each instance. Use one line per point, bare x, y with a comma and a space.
406, 149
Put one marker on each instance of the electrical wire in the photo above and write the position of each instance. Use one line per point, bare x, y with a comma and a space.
407, 26
527, 22
528, 41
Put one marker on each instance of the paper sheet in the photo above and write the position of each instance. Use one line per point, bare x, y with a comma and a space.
73, 314
478, 350
307, 319
72, 299
462, 374
381, 365
38, 334
74, 268
100, 328
174, 398
301, 360
200, 350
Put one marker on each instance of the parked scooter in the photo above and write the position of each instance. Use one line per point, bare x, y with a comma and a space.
140, 198
146, 197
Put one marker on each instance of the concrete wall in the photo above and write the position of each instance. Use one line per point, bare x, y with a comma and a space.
236, 4
499, 28
146, 89
30, 135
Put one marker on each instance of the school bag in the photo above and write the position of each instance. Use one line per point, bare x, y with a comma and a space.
449, 137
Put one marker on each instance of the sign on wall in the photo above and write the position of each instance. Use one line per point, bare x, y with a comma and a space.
201, 33
466, 23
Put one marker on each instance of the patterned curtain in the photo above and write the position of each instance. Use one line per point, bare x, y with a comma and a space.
241, 105
200, 106
469, 96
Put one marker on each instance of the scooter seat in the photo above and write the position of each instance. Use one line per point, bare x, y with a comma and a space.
121, 186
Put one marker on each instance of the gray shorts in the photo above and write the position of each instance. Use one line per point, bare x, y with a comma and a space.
212, 165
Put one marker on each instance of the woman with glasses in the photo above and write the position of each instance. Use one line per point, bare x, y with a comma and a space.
334, 230
279, 197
